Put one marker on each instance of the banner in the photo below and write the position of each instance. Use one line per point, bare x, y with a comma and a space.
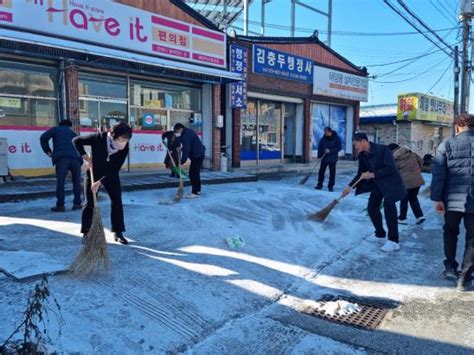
335, 83
238, 64
282, 65
421, 107
111, 24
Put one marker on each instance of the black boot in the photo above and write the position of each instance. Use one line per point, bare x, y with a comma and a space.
58, 209
118, 237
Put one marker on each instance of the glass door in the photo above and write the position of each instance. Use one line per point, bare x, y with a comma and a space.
248, 132
269, 130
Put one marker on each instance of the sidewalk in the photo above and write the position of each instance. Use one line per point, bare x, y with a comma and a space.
34, 188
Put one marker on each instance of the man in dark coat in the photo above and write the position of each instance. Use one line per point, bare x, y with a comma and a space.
380, 177
65, 158
328, 149
452, 189
109, 152
193, 149
172, 144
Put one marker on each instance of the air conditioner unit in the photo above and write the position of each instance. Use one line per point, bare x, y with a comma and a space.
3, 157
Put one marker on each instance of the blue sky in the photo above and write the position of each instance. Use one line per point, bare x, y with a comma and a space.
432, 74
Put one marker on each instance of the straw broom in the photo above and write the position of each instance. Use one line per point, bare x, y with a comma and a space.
179, 171
307, 176
322, 215
93, 256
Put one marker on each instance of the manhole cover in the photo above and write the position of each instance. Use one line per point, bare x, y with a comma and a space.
368, 316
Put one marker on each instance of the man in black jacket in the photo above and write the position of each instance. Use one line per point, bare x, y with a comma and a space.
65, 158
380, 177
452, 189
328, 149
194, 150
109, 152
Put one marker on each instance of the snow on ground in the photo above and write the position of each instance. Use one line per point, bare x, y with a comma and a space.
178, 286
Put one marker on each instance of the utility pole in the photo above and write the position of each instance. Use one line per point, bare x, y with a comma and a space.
456, 88
466, 67
246, 17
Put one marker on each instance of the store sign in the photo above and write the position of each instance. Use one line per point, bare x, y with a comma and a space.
422, 107
282, 65
335, 83
238, 64
148, 120
115, 25
9, 102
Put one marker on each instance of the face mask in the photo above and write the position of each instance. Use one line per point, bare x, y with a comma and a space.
120, 145
177, 135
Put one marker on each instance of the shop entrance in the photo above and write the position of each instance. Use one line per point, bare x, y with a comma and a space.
289, 125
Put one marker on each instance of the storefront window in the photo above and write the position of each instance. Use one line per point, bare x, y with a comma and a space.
102, 100
333, 116
269, 129
248, 132
28, 95
157, 106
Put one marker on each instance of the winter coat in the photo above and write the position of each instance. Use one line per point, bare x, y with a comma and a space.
453, 173
334, 145
409, 165
173, 143
102, 167
62, 143
380, 161
192, 146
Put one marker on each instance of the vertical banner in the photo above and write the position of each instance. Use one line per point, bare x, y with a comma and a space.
238, 64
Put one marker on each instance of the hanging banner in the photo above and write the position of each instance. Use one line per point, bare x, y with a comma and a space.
238, 64
416, 106
282, 65
110, 24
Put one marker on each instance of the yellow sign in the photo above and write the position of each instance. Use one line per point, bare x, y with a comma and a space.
10, 103
153, 104
420, 107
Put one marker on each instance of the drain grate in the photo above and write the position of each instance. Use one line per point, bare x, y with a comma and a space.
368, 318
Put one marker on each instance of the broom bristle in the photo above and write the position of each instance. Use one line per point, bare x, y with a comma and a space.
305, 179
93, 257
322, 215
180, 192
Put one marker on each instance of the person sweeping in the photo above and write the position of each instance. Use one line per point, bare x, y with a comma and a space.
109, 152
379, 174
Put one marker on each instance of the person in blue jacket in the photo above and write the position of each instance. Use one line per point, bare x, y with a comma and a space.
65, 158
328, 149
193, 149
452, 188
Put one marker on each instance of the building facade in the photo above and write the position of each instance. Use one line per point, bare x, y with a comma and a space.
149, 63
294, 88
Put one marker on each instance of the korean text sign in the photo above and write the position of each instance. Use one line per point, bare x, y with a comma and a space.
416, 106
115, 25
238, 64
282, 65
335, 83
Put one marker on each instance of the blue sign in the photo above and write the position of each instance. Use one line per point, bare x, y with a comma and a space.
148, 120
238, 64
282, 65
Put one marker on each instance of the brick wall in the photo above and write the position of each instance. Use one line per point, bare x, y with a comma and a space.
71, 73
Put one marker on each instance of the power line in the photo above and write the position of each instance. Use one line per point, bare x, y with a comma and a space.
403, 60
416, 17
343, 33
441, 12
415, 27
440, 78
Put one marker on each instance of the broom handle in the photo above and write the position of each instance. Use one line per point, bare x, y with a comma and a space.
352, 186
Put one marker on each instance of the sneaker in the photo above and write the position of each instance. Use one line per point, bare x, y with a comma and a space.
118, 237
58, 209
420, 220
76, 207
450, 274
317, 187
463, 285
402, 221
375, 239
390, 246
191, 196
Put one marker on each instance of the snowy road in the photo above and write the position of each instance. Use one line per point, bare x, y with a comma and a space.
178, 286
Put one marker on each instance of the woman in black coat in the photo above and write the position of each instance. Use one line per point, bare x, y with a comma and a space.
109, 152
